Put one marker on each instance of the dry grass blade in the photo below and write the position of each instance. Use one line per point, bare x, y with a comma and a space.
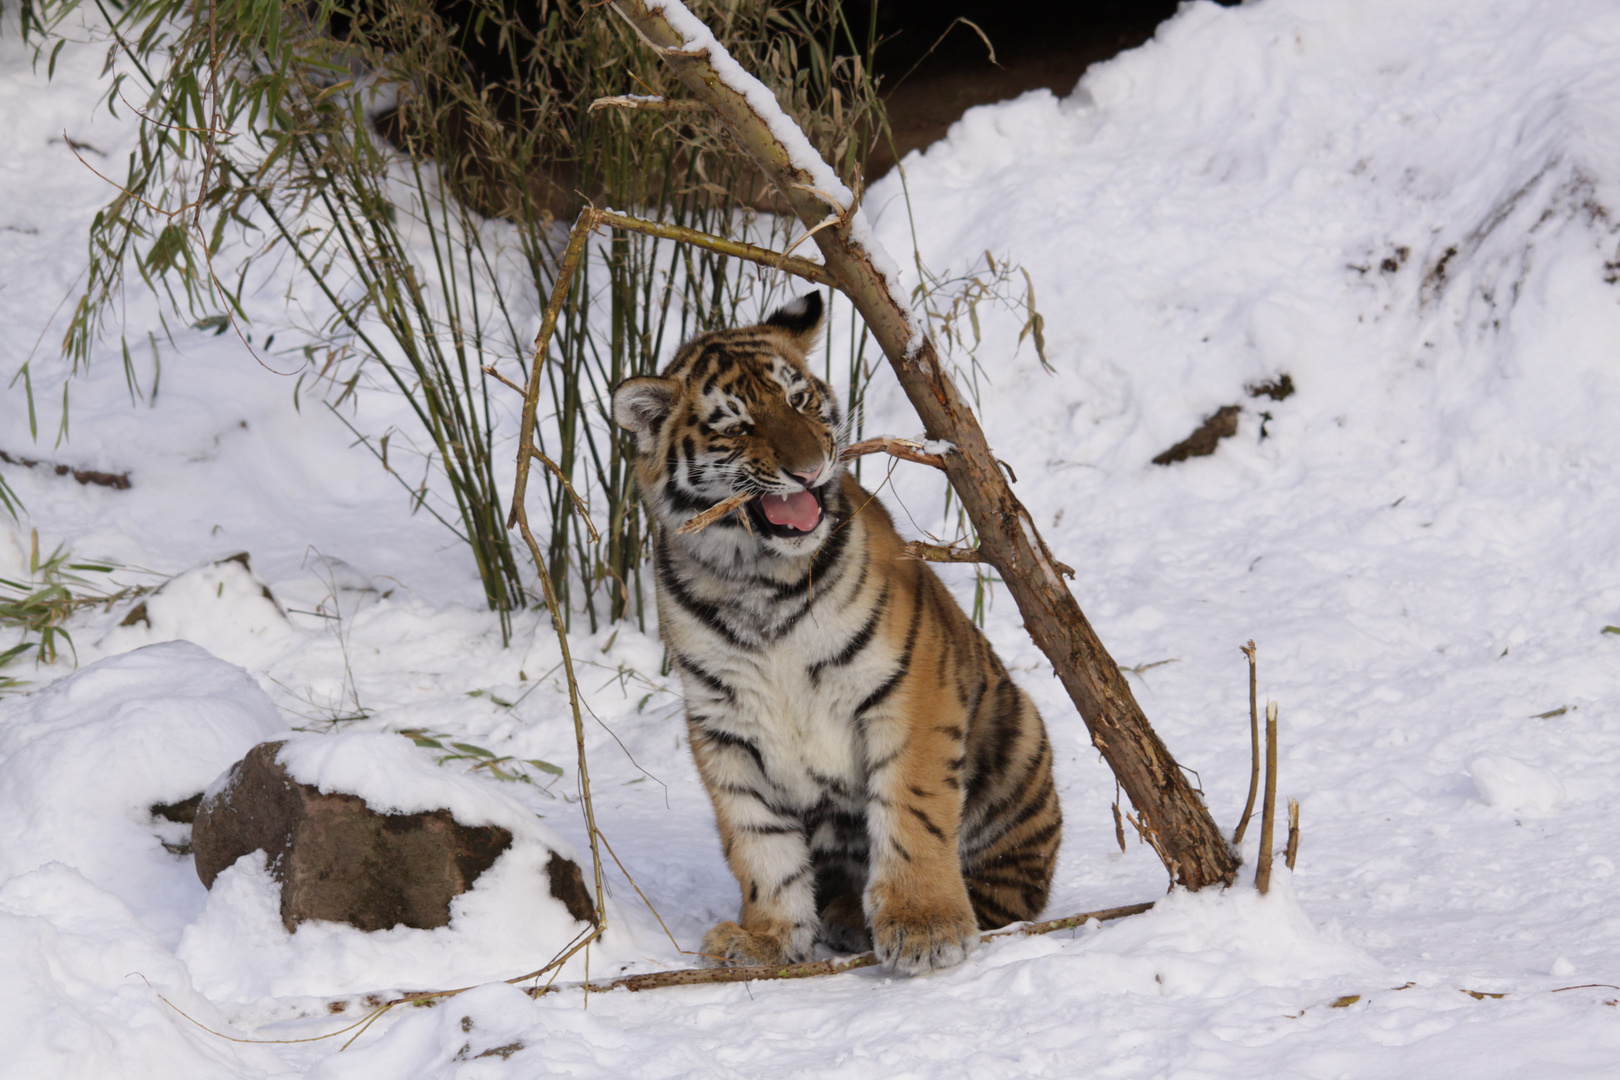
702, 521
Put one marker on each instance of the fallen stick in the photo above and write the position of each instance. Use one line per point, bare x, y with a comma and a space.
654, 980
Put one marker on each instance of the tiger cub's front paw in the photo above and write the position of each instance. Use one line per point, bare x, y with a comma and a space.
912, 939
729, 943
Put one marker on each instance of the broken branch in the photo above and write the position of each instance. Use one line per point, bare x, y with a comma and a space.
1268, 815
1254, 749
699, 522
904, 449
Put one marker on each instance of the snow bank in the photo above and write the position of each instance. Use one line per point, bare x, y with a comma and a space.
83, 761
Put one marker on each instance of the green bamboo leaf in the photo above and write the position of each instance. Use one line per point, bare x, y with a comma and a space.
469, 748
544, 766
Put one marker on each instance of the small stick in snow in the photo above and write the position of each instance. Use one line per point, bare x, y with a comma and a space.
653, 980
1268, 816
1292, 851
714, 513
1254, 749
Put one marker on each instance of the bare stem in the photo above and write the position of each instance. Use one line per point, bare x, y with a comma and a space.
1254, 749
1268, 816
520, 518
1292, 851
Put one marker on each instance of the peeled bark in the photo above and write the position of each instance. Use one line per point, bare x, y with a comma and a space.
1195, 852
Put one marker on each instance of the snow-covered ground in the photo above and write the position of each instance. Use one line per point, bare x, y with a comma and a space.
1410, 207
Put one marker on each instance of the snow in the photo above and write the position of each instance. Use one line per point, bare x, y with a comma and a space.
1408, 206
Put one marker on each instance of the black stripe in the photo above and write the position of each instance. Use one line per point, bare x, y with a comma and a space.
704, 612
735, 742
692, 668
876, 697
769, 830
933, 830
990, 914
792, 879
856, 644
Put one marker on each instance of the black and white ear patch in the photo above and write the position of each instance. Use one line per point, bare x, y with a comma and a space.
800, 316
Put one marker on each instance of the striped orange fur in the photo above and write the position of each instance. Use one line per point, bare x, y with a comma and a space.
876, 775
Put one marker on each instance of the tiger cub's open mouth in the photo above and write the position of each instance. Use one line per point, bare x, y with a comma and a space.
787, 515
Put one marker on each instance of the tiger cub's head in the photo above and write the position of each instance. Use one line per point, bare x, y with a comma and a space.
739, 411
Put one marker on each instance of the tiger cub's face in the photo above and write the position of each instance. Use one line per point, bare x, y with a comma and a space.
739, 411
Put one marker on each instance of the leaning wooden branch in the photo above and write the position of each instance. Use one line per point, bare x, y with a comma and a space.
1193, 847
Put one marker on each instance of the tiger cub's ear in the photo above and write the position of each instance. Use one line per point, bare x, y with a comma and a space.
800, 317
642, 405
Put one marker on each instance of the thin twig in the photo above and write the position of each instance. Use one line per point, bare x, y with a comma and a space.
519, 517
489, 369
1268, 815
1292, 851
812, 969
699, 522
753, 253
647, 103
1254, 749
584, 510
905, 449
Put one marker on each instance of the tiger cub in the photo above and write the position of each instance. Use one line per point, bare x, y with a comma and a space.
876, 775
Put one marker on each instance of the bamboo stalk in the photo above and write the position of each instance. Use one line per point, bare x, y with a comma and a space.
1191, 845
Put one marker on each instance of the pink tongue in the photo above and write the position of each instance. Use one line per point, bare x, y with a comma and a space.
799, 510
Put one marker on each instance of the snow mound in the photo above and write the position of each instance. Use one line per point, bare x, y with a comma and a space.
83, 761
1513, 785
